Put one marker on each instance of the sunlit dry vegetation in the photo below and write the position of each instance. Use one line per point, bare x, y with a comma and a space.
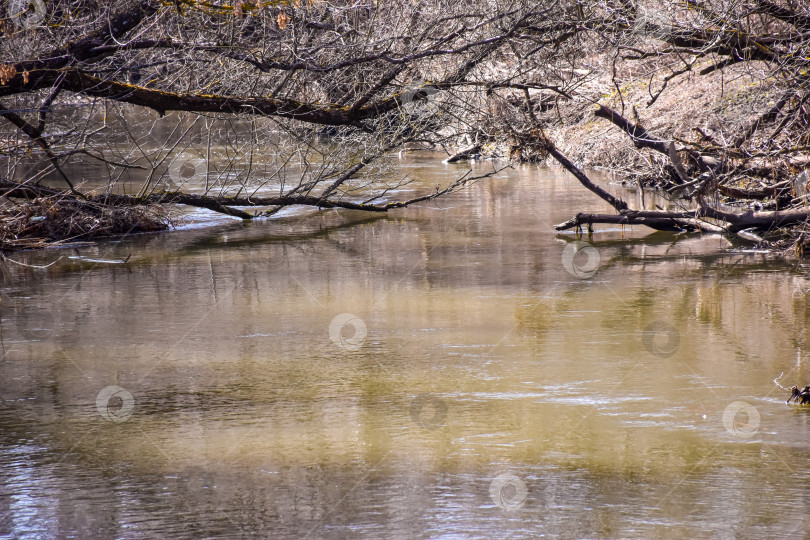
247, 107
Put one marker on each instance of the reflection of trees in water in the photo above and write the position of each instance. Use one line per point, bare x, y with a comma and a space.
259, 131
297, 120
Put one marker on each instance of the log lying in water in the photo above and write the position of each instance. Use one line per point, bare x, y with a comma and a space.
724, 222
662, 221
464, 153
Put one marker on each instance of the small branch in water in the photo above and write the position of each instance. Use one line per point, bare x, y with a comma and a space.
747, 234
3, 257
776, 382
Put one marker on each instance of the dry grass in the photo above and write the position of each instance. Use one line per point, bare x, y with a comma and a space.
719, 104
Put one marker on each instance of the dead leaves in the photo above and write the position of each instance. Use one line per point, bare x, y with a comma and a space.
7, 72
238, 9
242, 8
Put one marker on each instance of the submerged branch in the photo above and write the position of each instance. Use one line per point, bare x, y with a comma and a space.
664, 222
688, 220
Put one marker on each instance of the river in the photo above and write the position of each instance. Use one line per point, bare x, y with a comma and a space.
452, 370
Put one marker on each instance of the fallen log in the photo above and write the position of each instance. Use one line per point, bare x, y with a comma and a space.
694, 220
642, 139
662, 221
715, 162
218, 204
464, 153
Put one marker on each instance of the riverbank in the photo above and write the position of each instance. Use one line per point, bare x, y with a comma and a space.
696, 112
699, 139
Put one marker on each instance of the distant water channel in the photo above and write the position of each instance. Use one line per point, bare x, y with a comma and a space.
453, 370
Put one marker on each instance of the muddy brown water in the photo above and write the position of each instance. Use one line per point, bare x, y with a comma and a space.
453, 370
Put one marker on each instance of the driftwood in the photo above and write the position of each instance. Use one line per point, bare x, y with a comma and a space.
662, 222
43, 216
464, 153
725, 222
